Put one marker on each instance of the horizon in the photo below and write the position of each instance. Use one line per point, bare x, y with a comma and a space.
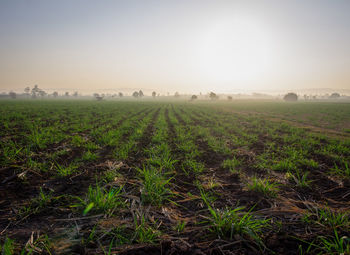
185, 46
148, 92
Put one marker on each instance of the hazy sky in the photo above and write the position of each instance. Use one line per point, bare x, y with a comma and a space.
185, 46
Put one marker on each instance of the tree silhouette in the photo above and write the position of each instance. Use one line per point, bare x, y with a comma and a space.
177, 94
212, 96
55, 94
154, 94
35, 91
194, 97
121, 94
141, 93
135, 94
291, 97
98, 97
42, 93
13, 95
66, 94
229, 98
334, 95
27, 90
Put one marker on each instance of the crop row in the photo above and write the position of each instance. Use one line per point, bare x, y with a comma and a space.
124, 174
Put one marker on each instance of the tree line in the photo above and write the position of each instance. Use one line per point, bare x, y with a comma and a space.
37, 92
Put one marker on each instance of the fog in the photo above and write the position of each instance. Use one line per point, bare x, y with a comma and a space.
190, 47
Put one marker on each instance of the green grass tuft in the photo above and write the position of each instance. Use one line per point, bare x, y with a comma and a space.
263, 186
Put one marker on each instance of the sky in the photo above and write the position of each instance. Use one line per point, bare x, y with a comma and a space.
189, 46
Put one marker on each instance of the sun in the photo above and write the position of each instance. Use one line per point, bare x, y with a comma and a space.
234, 50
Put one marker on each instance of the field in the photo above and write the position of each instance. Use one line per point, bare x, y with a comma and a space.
175, 177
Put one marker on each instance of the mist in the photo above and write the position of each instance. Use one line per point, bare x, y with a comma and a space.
187, 46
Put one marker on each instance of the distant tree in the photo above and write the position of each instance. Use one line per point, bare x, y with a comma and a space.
212, 96
42, 93
66, 94
177, 94
135, 94
75, 94
229, 98
27, 90
291, 97
141, 93
194, 97
98, 97
154, 94
35, 91
13, 95
55, 94
334, 95
305, 97
121, 94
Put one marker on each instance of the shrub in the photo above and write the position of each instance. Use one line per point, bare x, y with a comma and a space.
291, 97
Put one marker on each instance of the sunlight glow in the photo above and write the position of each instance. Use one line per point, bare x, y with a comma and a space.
234, 50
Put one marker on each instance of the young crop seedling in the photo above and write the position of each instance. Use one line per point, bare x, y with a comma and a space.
110, 175
43, 199
335, 244
308, 163
144, 232
91, 146
8, 247
226, 223
190, 166
77, 141
66, 170
38, 139
41, 245
207, 197
286, 165
180, 226
38, 166
263, 186
300, 179
211, 183
154, 186
89, 156
10, 153
91, 236
100, 200
342, 172
231, 164
38, 204
160, 156
333, 219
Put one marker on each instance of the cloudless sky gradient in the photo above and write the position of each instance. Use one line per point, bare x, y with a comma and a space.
183, 45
